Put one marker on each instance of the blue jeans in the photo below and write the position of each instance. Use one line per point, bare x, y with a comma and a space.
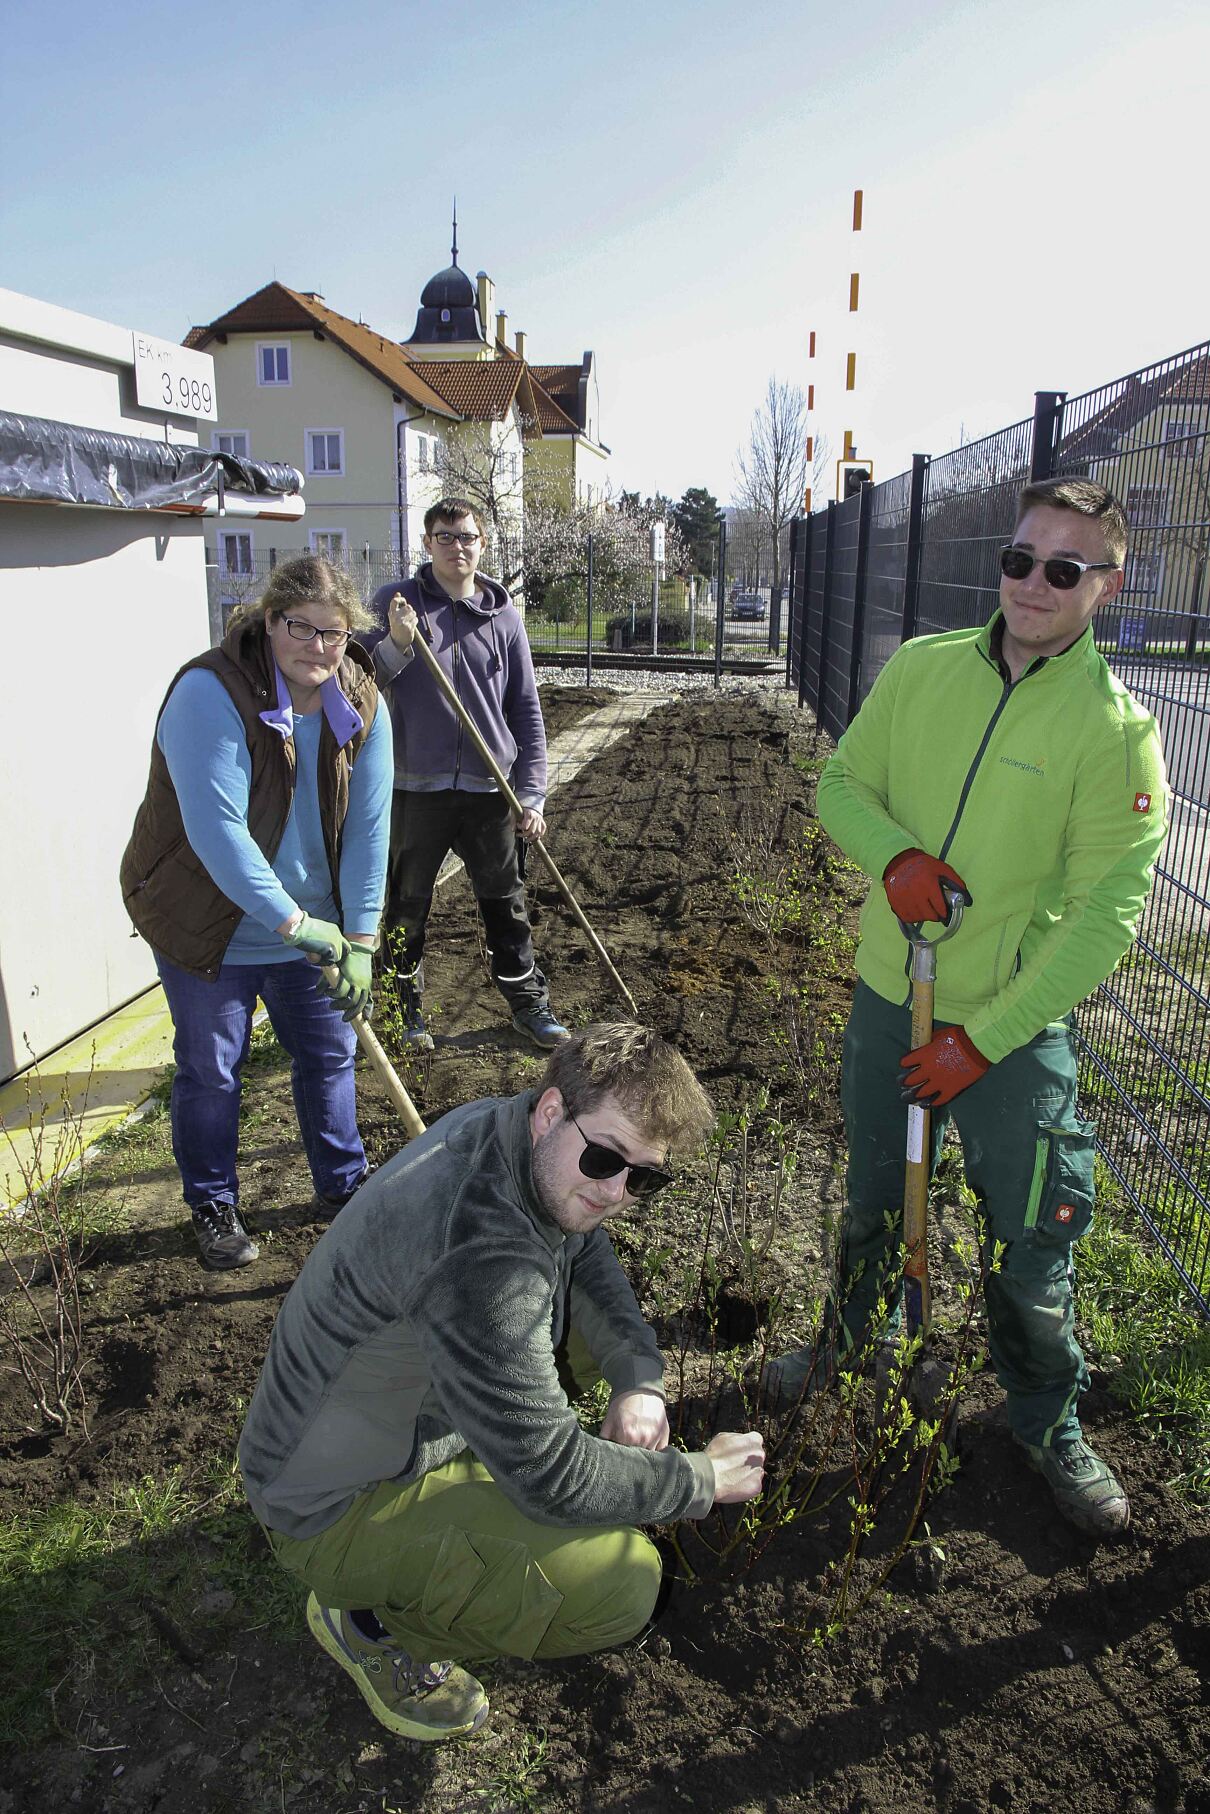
212, 1029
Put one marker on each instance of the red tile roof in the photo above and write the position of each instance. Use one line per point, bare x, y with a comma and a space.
481, 389
478, 390
278, 310
552, 419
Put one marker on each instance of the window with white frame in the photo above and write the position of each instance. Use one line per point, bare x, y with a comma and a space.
422, 453
232, 441
272, 364
1146, 506
235, 551
1180, 437
331, 543
325, 452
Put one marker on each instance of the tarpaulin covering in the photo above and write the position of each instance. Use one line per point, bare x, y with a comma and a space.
59, 462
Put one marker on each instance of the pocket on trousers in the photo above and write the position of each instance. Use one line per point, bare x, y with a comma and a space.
1063, 1194
489, 1590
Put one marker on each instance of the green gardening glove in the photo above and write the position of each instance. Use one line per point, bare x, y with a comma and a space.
318, 938
350, 988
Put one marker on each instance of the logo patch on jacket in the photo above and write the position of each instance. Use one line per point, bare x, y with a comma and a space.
1142, 803
1064, 1213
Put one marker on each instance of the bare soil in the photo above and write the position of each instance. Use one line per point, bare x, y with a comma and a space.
1032, 1670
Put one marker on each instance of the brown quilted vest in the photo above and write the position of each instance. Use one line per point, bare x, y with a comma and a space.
168, 892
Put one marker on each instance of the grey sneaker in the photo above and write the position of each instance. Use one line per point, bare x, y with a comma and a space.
425, 1701
222, 1237
1086, 1491
540, 1025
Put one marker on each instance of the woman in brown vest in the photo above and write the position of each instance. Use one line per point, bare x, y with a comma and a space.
262, 843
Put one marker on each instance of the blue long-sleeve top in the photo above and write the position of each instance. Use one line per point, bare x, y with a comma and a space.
204, 744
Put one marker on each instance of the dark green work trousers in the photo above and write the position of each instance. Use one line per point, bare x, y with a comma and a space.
1028, 1160
454, 1570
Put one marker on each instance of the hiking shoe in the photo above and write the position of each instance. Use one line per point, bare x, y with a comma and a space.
222, 1237
425, 1701
540, 1025
410, 984
324, 1205
796, 1377
1085, 1489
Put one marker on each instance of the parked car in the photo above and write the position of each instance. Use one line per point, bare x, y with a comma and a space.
748, 604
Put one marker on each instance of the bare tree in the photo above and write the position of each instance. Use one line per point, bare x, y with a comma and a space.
481, 462
773, 468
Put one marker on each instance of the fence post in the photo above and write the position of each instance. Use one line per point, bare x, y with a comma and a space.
807, 539
588, 598
865, 511
915, 543
1048, 429
794, 535
719, 597
825, 611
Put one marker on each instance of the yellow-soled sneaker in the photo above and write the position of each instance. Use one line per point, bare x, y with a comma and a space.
424, 1701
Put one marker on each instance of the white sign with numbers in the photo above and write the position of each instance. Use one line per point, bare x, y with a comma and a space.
173, 379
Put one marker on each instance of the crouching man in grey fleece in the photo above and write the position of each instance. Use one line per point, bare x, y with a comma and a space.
410, 1449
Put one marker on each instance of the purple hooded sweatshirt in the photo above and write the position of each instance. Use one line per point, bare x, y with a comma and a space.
482, 646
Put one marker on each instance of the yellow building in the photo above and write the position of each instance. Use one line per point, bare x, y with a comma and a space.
380, 428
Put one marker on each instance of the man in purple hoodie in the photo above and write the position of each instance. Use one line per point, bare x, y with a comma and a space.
444, 797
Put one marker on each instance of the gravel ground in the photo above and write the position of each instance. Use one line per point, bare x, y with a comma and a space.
649, 680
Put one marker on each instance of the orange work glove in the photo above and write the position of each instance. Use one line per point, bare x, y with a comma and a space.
934, 1074
913, 886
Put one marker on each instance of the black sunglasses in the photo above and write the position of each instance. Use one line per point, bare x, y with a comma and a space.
597, 1161
1061, 573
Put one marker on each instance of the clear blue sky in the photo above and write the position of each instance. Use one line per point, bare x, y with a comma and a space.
668, 184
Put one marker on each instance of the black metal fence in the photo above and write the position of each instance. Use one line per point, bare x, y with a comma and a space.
918, 554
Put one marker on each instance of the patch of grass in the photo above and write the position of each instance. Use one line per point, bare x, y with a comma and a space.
515, 1784
85, 1589
1144, 1329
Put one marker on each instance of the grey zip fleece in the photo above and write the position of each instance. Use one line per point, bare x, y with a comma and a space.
425, 1322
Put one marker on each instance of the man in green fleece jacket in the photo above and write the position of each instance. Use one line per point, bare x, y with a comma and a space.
1010, 767
410, 1449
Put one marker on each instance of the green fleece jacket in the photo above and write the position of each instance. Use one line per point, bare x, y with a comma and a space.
1047, 796
425, 1322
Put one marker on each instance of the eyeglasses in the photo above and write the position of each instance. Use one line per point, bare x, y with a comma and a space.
597, 1161
302, 631
445, 538
1061, 573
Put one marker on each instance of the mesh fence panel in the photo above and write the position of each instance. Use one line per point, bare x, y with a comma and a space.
886, 576
833, 709
1142, 1035
970, 506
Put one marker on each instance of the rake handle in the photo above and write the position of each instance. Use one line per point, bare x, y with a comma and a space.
372, 1047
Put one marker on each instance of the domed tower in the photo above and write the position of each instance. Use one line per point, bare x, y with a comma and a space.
448, 317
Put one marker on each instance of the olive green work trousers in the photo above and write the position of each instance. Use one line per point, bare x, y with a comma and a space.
453, 1570
1029, 1161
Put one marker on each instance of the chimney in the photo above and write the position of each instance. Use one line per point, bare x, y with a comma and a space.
520, 344
501, 328
487, 301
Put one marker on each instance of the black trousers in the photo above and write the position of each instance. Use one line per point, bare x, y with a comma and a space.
481, 830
